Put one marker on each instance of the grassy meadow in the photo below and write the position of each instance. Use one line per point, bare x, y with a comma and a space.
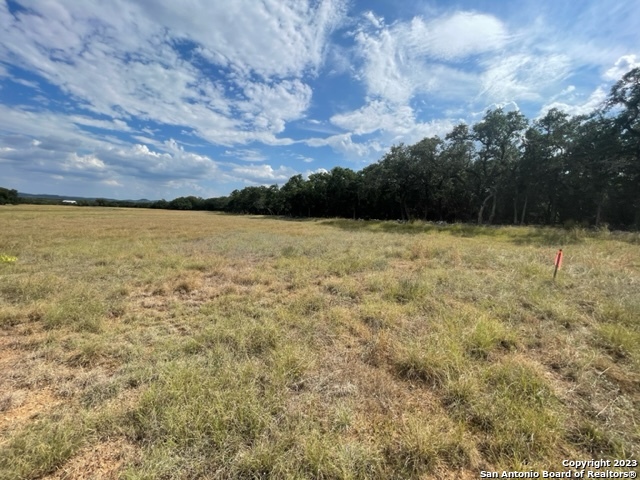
156, 344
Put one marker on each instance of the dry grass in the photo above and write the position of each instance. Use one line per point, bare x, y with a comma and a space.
159, 344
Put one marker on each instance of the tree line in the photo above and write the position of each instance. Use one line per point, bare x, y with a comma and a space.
505, 169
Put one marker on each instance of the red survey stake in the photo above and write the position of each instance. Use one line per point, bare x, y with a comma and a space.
558, 263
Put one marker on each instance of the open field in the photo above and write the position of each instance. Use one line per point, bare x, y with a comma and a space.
143, 344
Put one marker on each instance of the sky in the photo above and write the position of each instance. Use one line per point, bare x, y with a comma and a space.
132, 99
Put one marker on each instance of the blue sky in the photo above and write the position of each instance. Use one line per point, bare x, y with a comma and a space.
160, 99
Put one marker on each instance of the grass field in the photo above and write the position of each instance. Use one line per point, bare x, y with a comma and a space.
143, 344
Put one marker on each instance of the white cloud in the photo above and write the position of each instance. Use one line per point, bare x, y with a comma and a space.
397, 123
137, 161
522, 76
246, 154
475, 59
262, 173
377, 22
27, 83
579, 106
27, 147
115, 125
269, 107
122, 60
376, 115
112, 183
147, 140
622, 66
456, 36
318, 127
574, 103
190, 186
270, 38
406, 58
311, 172
76, 163
344, 144
598, 34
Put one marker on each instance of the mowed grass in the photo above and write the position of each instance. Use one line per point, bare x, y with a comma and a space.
143, 344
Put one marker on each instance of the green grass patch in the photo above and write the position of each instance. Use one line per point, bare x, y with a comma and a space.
41, 447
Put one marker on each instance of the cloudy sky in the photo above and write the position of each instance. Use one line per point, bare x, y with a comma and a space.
164, 98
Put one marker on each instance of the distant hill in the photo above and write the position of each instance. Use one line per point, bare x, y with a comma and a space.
70, 197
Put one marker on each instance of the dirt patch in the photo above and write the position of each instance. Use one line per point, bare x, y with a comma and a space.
15, 340
627, 382
7, 352
191, 294
19, 404
22, 405
97, 462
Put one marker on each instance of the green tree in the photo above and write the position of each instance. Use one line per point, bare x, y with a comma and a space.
544, 166
318, 191
457, 159
624, 102
430, 175
401, 177
297, 197
180, 203
500, 137
8, 196
342, 192
595, 167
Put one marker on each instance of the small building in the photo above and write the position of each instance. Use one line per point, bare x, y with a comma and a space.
69, 202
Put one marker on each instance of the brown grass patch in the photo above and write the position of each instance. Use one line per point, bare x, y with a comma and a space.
103, 461
21, 406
